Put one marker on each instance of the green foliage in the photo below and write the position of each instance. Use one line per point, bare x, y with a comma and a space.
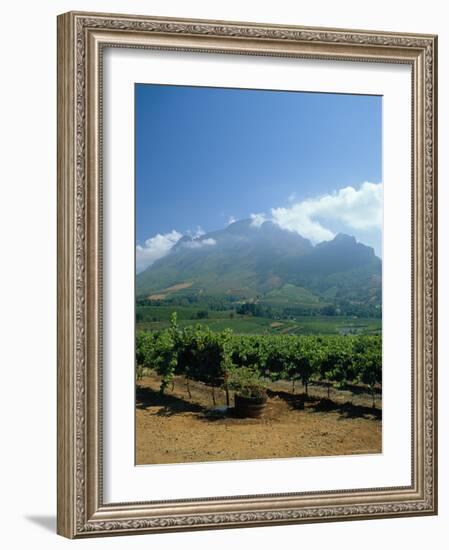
217, 358
159, 351
337, 362
254, 310
368, 363
165, 360
144, 349
246, 381
305, 356
287, 321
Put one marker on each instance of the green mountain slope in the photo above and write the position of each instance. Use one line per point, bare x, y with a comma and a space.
265, 264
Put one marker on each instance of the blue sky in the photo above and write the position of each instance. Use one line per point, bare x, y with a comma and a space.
208, 155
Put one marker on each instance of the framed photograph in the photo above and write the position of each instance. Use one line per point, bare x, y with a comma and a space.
247, 250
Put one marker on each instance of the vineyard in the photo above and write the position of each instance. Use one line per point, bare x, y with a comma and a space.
214, 358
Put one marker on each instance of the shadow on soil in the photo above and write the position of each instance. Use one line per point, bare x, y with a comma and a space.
316, 404
170, 404
348, 409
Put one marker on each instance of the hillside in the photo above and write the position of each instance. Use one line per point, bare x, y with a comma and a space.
267, 265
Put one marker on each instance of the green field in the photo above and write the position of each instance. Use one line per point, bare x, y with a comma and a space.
158, 317
291, 295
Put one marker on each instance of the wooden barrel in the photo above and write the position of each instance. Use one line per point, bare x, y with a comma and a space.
252, 407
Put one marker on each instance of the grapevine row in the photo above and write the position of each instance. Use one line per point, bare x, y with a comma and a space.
202, 355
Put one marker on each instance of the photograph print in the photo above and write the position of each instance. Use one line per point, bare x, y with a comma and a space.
258, 260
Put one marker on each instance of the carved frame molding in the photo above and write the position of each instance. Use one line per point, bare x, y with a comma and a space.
81, 39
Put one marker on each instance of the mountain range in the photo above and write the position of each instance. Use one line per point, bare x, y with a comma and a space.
267, 264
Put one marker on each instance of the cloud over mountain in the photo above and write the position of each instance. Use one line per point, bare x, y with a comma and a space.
244, 262
356, 210
199, 243
154, 248
359, 209
258, 219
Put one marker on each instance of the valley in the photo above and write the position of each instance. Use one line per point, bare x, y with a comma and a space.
158, 318
263, 280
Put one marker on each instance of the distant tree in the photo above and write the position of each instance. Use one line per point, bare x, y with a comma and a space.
250, 308
329, 310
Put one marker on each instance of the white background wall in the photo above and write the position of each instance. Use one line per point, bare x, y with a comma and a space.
28, 271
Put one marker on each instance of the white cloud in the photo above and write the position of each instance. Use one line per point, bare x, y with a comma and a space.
208, 242
197, 243
199, 232
258, 219
154, 248
358, 209
231, 220
295, 219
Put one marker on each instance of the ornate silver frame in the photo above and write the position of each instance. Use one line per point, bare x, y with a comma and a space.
81, 38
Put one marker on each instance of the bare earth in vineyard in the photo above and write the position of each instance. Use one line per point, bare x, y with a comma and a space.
174, 428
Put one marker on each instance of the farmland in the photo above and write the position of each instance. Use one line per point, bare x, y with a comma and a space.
157, 317
211, 357
185, 386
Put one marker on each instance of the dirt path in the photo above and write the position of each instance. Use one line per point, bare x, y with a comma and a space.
174, 428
